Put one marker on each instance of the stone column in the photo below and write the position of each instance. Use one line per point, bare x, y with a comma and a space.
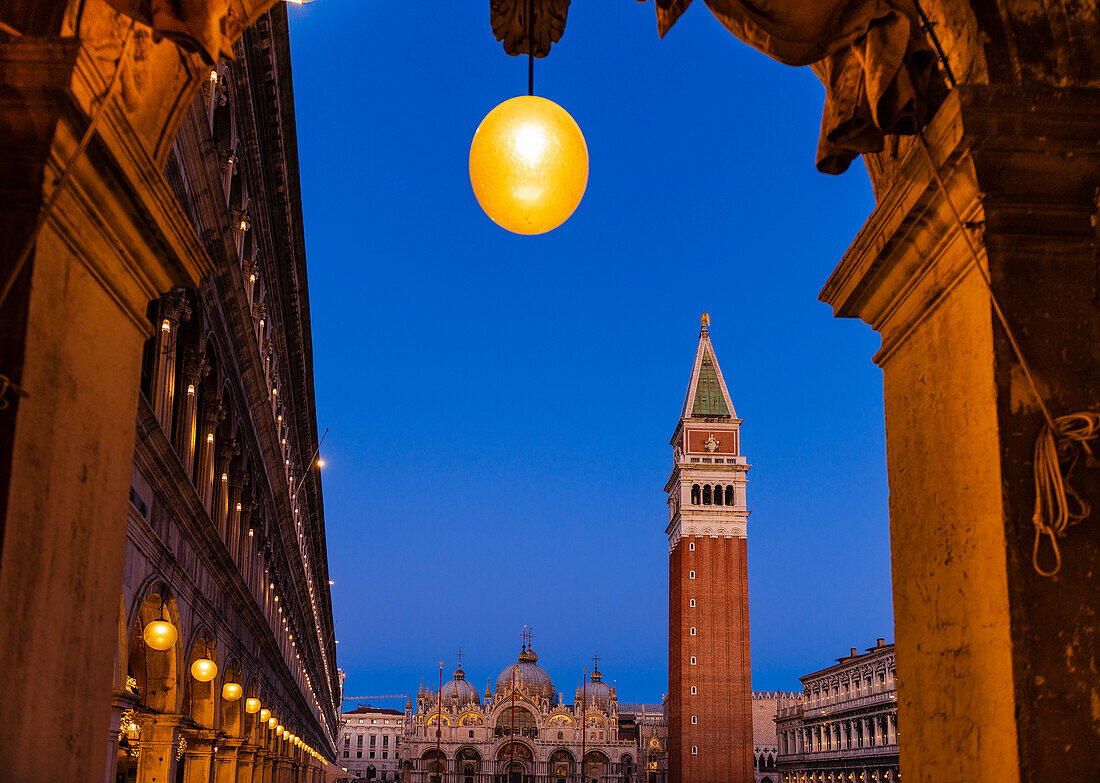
195, 369
245, 548
227, 450
122, 701
237, 481
172, 310
198, 757
160, 736
225, 759
1008, 647
246, 760
213, 413
258, 762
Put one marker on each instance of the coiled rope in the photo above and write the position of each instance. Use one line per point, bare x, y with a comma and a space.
1057, 505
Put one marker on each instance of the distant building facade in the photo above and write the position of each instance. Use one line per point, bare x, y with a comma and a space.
369, 744
844, 727
523, 731
765, 743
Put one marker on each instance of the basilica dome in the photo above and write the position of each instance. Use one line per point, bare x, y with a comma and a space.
530, 678
458, 689
597, 692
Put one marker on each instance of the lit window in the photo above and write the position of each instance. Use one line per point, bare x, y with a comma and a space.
693, 630
691, 603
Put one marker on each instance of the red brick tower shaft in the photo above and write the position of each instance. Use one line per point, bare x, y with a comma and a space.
709, 675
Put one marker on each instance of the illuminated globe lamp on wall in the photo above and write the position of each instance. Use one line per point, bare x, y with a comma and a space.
231, 691
252, 705
204, 669
528, 165
160, 634
265, 715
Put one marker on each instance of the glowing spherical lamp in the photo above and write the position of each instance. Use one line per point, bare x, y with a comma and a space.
286, 734
232, 691
528, 165
204, 670
251, 705
272, 722
279, 729
160, 634
265, 715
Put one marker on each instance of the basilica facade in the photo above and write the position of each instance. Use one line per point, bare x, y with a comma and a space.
520, 731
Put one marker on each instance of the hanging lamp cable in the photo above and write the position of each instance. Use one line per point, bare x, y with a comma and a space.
530, 47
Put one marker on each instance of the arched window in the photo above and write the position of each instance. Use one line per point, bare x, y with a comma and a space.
691, 546
717, 494
691, 603
694, 720
694, 690
691, 574
693, 660
729, 495
694, 750
706, 494
693, 630
695, 494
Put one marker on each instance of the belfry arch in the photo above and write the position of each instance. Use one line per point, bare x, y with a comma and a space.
961, 425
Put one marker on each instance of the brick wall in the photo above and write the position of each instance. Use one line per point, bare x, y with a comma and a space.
722, 705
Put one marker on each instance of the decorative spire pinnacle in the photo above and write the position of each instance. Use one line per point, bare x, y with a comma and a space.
707, 396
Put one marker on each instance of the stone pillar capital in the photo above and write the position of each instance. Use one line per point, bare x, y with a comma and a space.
227, 450
195, 367
174, 308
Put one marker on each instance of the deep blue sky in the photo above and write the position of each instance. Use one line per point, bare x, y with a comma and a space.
500, 406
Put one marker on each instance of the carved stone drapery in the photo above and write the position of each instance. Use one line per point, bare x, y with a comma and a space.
880, 73
511, 25
193, 25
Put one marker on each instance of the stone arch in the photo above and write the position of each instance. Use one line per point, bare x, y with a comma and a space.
626, 764
515, 751
434, 761
561, 764
253, 728
595, 764
230, 713
202, 697
526, 722
155, 672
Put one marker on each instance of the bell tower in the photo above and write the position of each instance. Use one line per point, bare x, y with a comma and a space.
709, 684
